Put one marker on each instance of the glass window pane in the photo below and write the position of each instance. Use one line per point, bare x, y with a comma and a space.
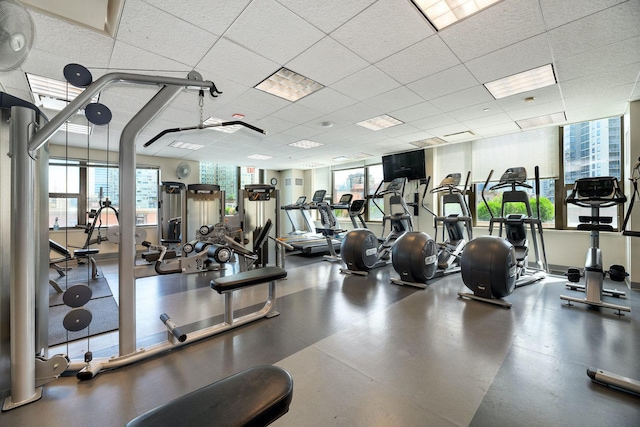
64, 210
494, 200
224, 176
64, 179
348, 181
592, 149
374, 178
146, 196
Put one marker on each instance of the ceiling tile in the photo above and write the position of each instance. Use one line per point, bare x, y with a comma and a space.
124, 55
420, 60
476, 111
616, 54
297, 113
366, 84
600, 29
326, 62
234, 62
433, 122
557, 13
225, 12
455, 101
280, 46
375, 33
157, 31
497, 129
494, 28
327, 15
516, 58
394, 99
443, 83
415, 112
326, 100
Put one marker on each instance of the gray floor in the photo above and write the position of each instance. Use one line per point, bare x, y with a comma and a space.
363, 352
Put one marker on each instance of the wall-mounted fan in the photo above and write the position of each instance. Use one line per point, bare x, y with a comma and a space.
183, 170
17, 33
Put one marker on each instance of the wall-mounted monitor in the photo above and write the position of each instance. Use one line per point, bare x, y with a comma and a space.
410, 165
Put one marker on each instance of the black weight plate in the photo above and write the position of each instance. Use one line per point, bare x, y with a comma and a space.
77, 75
98, 114
77, 319
77, 295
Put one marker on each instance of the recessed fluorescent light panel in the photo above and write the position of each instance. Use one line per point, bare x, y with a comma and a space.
522, 82
75, 128
428, 142
259, 157
360, 156
223, 129
286, 84
305, 143
542, 120
185, 145
340, 158
442, 13
51, 93
458, 136
313, 165
380, 122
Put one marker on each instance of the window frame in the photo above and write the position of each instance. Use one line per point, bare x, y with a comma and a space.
81, 197
562, 189
366, 186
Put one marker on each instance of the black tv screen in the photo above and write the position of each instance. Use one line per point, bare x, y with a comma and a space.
409, 165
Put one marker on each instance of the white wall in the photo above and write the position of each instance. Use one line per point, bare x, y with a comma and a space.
631, 155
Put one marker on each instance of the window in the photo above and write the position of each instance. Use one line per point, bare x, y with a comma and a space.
77, 187
227, 177
360, 182
603, 136
494, 200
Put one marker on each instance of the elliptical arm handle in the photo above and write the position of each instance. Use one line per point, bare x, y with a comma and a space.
424, 195
486, 184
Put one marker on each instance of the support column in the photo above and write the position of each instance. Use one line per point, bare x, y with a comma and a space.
23, 256
631, 154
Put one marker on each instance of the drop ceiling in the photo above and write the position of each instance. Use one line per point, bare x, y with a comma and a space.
372, 57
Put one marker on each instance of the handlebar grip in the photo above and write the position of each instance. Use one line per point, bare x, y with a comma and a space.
146, 244
173, 328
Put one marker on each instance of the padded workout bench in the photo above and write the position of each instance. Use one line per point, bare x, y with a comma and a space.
228, 284
254, 397
78, 254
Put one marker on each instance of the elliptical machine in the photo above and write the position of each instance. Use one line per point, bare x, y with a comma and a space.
361, 249
451, 247
492, 267
595, 193
415, 255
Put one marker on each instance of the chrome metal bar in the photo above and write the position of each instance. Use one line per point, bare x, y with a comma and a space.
23, 256
40, 138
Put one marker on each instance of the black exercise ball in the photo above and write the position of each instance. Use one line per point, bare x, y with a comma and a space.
414, 256
488, 267
359, 249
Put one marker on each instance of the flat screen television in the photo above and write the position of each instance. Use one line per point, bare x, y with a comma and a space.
409, 165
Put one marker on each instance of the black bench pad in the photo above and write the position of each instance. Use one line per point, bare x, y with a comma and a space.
85, 252
248, 278
254, 397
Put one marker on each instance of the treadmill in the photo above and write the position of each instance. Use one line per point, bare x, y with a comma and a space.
299, 235
317, 244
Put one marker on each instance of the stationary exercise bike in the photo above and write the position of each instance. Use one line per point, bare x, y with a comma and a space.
596, 193
361, 250
601, 376
492, 266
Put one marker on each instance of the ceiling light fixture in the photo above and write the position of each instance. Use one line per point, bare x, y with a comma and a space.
313, 165
259, 157
326, 124
305, 143
75, 128
522, 82
442, 13
358, 156
542, 120
288, 85
340, 159
185, 145
238, 116
458, 136
381, 122
428, 142
223, 129
54, 88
